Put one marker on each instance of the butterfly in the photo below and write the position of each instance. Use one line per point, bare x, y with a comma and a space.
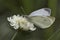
41, 18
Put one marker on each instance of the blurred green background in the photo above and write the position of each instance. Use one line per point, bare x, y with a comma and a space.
22, 7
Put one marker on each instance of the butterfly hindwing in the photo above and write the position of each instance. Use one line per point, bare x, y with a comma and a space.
42, 22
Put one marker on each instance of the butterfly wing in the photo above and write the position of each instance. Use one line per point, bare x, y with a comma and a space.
41, 12
42, 18
42, 22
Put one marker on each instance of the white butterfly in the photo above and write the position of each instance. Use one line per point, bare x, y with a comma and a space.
42, 18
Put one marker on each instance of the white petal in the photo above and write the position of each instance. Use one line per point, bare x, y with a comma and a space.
16, 27
33, 29
41, 12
